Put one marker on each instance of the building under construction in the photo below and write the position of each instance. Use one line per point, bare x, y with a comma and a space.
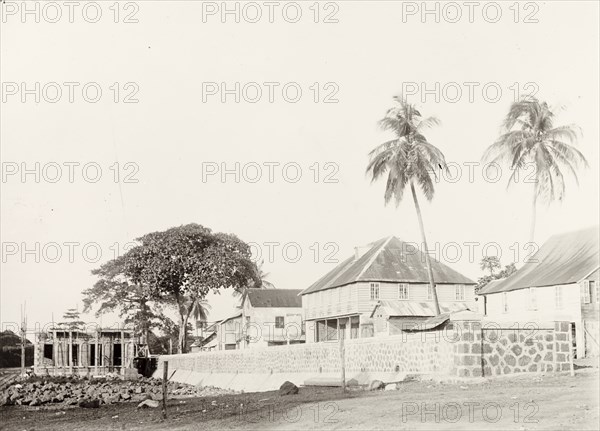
61, 351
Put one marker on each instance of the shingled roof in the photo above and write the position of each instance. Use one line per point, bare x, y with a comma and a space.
563, 259
388, 259
265, 298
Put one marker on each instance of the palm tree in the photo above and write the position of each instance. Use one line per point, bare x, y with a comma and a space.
262, 284
408, 159
200, 312
529, 136
491, 263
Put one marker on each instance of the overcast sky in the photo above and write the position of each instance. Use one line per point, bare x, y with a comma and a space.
180, 131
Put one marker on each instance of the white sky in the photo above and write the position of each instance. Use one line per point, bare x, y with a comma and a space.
369, 54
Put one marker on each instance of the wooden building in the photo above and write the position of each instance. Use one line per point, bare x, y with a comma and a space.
388, 275
559, 282
67, 351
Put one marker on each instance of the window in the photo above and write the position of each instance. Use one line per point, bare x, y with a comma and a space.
558, 300
532, 298
460, 292
374, 291
429, 292
48, 351
279, 322
585, 292
504, 302
403, 291
594, 288
75, 355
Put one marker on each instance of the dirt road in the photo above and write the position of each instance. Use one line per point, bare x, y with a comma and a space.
525, 402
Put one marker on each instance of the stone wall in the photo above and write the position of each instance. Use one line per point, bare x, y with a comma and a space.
402, 353
491, 349
462, 349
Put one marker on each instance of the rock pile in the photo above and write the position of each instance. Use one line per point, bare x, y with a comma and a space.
76, 391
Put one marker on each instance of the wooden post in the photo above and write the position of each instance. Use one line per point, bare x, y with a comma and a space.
164, 388
70, 354
572, 358
96, 355
23, 350
342, 335
123, 353
54, 350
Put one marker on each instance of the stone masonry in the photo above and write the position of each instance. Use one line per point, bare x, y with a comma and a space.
468, 349
491, 350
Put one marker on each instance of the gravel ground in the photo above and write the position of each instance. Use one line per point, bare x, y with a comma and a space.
521, 402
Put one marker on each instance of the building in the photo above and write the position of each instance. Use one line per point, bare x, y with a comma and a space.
66, 351
387, 270
229, 332
560, 282
208, 340
393, 317
272, 317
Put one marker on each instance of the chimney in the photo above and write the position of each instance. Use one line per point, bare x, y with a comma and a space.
360, 251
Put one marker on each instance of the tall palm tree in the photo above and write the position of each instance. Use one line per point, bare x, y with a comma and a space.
200, 312
529, 136
408, 159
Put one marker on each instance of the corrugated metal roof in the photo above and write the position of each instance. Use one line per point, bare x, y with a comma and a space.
265, 298
389, 259
233, 316
417, 308
563, 259
491, 284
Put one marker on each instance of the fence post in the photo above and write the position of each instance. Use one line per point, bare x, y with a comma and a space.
342, 335
164, 389
572, 357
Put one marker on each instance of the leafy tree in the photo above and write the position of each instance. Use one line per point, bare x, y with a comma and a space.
408, 159
185, 263
530, 136
10, 350
261, 283
508, 270
72, 320
490, 263
121, 288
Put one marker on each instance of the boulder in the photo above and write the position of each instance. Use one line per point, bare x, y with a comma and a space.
288, 388
148, 403
89, 404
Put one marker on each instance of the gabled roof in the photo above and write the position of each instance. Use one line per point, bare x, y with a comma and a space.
417, 308
388, 259
233, 316
266, 298
563, 259
490, 286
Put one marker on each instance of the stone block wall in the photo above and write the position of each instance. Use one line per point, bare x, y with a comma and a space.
467, 350
404, 353
493, 350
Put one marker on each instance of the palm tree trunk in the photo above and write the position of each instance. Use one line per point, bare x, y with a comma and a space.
533, 212
427, 258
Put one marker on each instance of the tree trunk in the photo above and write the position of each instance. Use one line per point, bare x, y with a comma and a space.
427, 258
183, 320
533, 212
